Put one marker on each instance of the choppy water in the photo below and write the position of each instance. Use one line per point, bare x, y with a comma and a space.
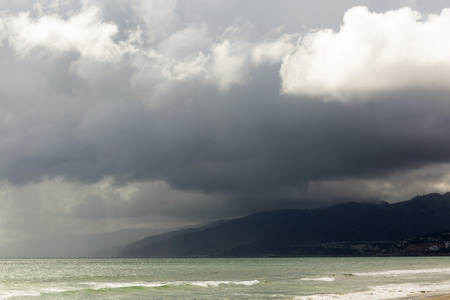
243, 278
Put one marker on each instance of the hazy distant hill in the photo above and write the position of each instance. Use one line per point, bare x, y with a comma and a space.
94, 245
271, 233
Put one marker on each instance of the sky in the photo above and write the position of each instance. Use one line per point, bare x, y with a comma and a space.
165, 113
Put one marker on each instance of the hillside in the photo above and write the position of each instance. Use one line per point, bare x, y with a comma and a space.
275, 232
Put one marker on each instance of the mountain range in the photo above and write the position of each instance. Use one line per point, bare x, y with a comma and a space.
274, 233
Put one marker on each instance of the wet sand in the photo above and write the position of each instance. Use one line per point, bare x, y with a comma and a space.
429, 297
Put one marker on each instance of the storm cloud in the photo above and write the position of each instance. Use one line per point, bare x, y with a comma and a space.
164, 113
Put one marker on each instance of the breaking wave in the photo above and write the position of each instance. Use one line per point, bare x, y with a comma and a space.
390, 291
394, 273
326, 279
112, 285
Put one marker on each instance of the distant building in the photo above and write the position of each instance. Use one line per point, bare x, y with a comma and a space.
423, 247
433, 248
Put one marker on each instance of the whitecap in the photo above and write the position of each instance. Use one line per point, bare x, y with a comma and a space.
394, 273
327, 279
217, 283
210, 283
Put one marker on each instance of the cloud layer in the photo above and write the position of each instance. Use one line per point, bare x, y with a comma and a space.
162, 113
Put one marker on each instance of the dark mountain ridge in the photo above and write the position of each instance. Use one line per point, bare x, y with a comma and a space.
271, 233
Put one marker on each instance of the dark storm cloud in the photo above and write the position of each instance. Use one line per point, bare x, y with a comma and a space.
238, 142
233, 133
185, 111
248, 139
264, 143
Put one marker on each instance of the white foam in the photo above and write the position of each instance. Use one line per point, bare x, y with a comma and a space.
390, 291
326, 279
394, 273
103, 285
117, 285
14, 294
217, 283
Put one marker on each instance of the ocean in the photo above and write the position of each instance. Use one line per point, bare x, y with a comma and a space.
224, 278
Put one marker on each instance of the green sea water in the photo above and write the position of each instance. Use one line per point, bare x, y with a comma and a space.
226, 278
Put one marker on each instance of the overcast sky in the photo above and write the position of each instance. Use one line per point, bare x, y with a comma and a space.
161, 113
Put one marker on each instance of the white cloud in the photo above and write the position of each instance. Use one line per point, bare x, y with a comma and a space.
84, 33
229, 62
370, 52
191, 67
186, 41
159, 17
273, 52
